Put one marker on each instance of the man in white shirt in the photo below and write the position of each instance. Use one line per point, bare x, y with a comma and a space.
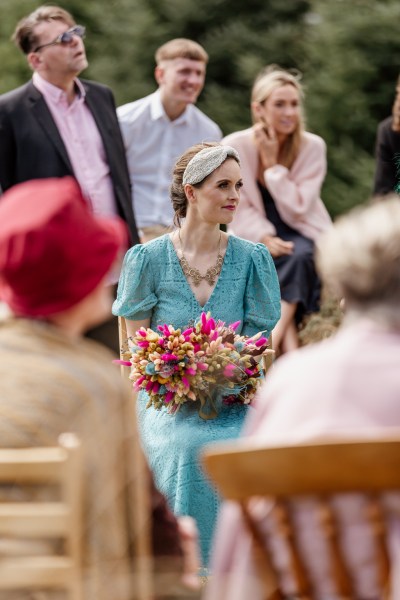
157, 129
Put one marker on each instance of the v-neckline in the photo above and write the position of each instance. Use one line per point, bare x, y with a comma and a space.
184, 277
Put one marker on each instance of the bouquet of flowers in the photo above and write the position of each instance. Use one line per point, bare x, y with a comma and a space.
175, 366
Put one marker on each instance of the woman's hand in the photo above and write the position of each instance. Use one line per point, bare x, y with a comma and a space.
277, 246
267, 145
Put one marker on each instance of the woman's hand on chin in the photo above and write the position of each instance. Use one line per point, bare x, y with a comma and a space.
267, 145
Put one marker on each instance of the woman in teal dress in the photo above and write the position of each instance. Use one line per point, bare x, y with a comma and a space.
173, 279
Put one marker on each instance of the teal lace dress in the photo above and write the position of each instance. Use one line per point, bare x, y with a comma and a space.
152, 285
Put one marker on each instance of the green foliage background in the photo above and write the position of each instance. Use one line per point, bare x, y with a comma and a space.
348, 52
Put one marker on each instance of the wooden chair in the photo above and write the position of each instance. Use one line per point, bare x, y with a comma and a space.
269, 356
60, 466
143, 546
244, 470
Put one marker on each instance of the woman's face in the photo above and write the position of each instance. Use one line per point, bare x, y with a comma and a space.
282, 110
217, 199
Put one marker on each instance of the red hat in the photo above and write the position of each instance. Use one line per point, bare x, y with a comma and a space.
53, 250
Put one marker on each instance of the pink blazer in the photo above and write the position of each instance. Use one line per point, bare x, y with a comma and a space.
296, 192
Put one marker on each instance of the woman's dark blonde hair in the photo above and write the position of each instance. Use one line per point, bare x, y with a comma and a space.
267, 81
177, 190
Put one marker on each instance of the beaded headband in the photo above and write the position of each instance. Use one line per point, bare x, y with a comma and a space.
206, 161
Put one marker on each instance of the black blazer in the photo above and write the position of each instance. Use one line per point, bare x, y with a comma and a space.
387, 156
31, 146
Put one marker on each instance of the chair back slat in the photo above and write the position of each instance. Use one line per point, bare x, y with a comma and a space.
287, 531
262, 559
376, 516
330, 530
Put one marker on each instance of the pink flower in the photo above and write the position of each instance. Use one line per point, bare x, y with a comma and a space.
168, 397
202, 366
191, 371
124, 363
185, 382
143, 343
139, 381
229, 370
167, 357
261, 342
234, 325
142, 332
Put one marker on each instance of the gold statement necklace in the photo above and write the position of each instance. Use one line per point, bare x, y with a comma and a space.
194, 274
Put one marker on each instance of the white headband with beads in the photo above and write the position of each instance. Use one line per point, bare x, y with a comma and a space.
206, 161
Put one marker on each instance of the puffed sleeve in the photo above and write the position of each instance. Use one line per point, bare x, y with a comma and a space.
136, 291
262, 301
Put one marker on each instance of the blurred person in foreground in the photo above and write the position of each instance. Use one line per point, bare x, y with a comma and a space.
284, 168
57, 124
345, 387
158, 128
52, 380
387, 150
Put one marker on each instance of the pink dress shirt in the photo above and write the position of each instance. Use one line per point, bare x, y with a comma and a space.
83, 143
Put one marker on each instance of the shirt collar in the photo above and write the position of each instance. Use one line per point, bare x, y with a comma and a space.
157, 110
53, 92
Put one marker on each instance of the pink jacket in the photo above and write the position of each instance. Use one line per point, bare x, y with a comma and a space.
296, 192
347, 386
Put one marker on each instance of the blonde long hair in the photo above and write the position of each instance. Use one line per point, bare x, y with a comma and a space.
268, 80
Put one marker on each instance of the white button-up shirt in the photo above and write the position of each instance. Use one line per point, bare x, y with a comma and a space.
153, 144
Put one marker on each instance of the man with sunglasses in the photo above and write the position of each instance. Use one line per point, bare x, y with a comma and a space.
57, 125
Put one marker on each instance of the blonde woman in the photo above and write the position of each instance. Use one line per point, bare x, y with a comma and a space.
283, 170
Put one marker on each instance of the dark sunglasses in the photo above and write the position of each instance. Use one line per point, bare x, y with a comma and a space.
66, 37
